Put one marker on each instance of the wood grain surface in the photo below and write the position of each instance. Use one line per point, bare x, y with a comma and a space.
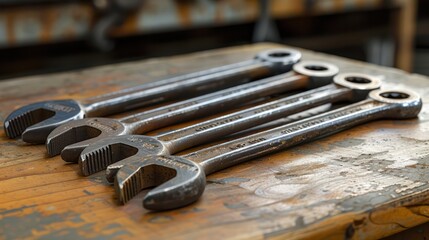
368, 182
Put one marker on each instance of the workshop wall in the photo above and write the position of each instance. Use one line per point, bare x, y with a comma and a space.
42, 36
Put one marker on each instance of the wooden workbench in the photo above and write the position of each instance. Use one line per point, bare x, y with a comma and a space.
368, 182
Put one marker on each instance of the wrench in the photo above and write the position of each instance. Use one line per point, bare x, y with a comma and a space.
74, 136
180, 180
35, 121
346, 87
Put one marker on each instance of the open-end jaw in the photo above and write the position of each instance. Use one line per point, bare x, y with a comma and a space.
177, 182
35, 121
117, 151
71, 138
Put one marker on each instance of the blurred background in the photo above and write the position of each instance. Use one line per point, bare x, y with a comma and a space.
45, 36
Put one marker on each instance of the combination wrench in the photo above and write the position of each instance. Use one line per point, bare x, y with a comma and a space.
71, 138
35, 121
180, 180
350, 87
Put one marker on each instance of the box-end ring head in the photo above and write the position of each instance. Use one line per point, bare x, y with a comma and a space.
282, 58
405, 103
320, 73
360, 83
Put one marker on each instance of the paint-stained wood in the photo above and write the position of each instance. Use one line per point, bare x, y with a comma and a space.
367, 182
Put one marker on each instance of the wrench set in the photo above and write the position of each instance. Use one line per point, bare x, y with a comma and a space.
133, 161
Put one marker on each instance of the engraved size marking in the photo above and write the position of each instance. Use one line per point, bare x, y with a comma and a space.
251, 141
144, 142
101, 126
321, 120
135, 140
220, 122
176, 163
59, 107
263, 109
149, 145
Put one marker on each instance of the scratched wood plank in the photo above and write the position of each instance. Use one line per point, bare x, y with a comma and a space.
367, 182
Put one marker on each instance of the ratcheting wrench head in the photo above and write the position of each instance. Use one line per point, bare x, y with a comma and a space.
35, 121
72, 137
116, 151
179, 182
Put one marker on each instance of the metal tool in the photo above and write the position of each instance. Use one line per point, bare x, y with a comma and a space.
350, 87
35, 121
181, 180
74, 136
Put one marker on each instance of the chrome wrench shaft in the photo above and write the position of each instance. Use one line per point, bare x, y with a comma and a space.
74, 136
35, 121
181, 180
350, 87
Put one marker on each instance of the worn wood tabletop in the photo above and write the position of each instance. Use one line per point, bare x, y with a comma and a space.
367, 182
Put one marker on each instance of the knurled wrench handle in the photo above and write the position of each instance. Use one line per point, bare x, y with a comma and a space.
225, 125
191, 84
225, 155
